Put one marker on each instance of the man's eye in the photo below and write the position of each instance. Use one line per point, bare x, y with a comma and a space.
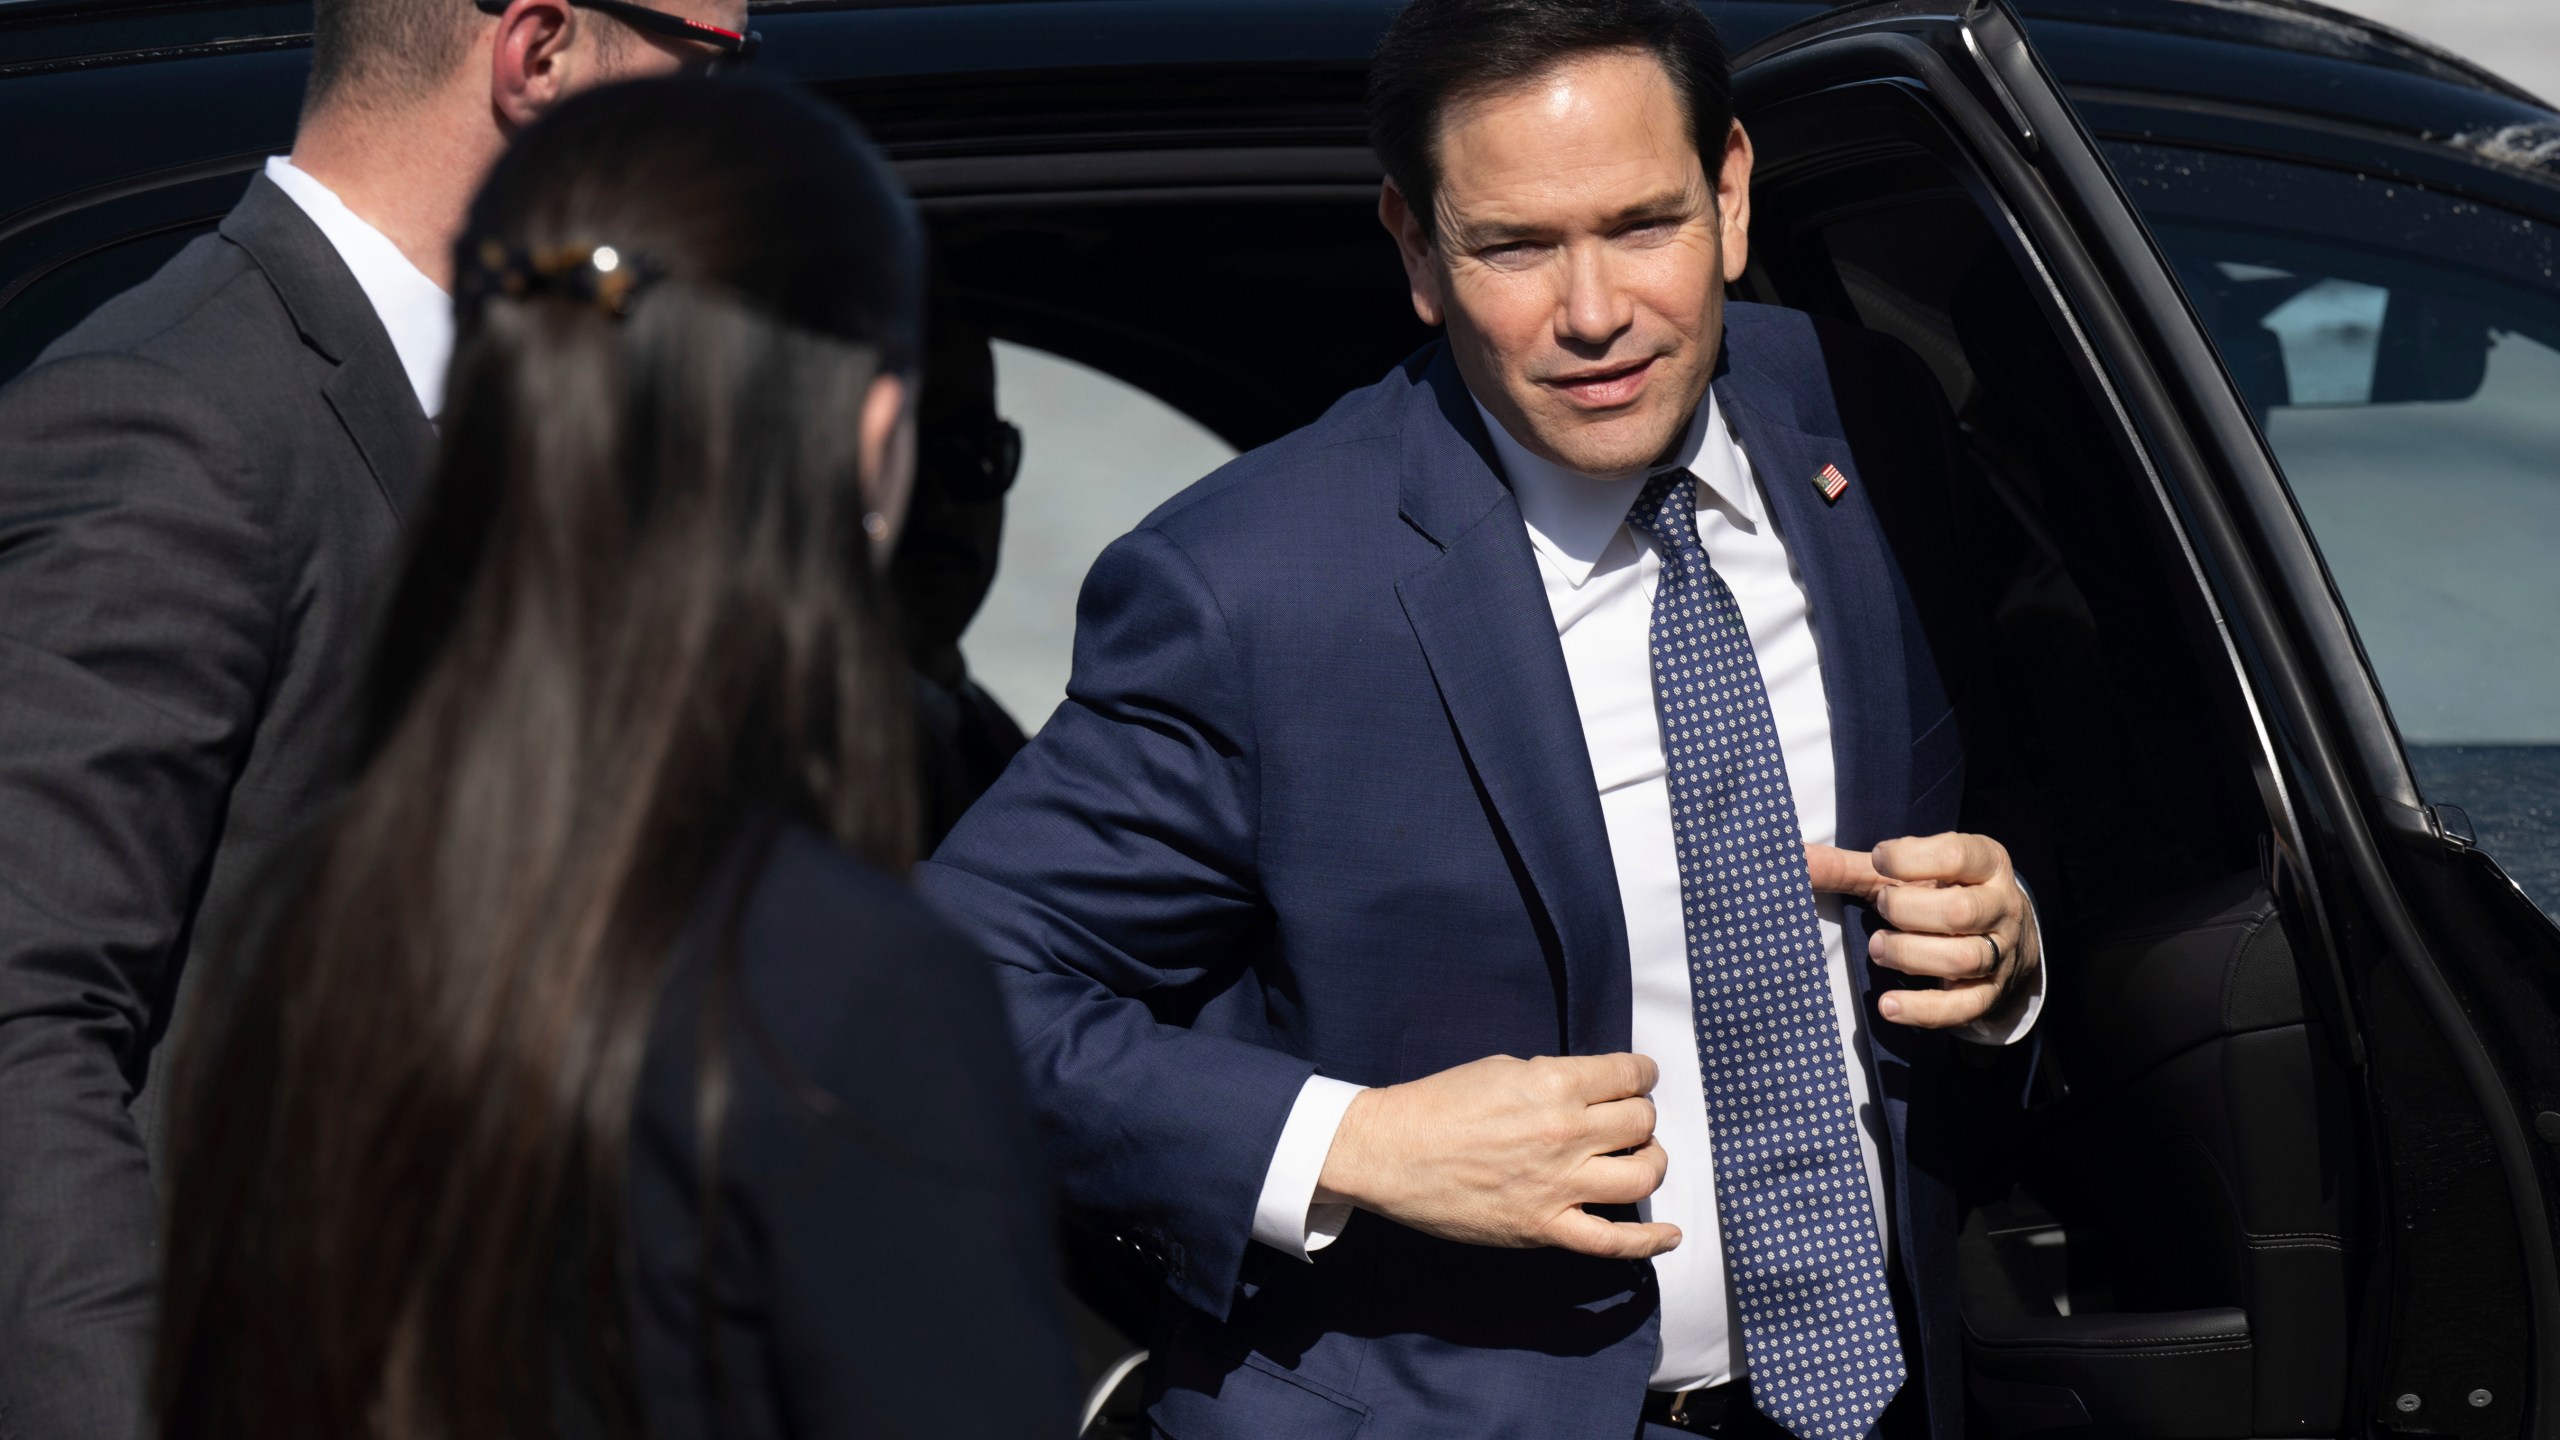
1649, 230
1510, 253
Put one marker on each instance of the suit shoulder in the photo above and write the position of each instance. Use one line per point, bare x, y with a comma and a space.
1306, 481
182, 389
1835, 371
1800, 335
193, 315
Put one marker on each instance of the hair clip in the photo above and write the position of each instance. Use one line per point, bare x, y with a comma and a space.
602, 275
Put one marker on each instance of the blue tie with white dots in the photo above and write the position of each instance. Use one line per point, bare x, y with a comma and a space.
1801, 1253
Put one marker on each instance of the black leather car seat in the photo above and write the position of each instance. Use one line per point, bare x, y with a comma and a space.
2173, 1263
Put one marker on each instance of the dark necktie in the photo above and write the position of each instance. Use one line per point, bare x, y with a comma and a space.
1801, 1255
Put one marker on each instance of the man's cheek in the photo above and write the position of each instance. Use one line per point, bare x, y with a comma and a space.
1516, 334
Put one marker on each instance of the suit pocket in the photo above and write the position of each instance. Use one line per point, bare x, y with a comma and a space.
1210, 1395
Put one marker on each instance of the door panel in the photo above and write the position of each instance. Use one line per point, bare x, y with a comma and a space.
2219, 1171
2201, 1145
2143, 1268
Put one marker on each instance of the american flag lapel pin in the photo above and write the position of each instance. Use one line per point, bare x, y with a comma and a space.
1830, 484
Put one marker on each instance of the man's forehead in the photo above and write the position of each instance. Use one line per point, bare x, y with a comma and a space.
1603, 121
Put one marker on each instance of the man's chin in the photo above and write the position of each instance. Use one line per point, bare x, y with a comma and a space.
1613, 448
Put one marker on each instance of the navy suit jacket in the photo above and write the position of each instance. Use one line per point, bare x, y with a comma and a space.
1319, 801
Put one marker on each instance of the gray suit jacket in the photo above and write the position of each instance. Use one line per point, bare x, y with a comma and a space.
197, 488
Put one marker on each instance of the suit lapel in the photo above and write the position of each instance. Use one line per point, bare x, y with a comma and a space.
369, 390
1839, 552
380, 412
1482, 619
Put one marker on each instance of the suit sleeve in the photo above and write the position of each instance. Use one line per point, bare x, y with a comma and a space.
1111, 873
137, 605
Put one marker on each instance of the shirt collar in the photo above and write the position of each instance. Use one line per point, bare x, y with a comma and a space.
415, 311
1573, 518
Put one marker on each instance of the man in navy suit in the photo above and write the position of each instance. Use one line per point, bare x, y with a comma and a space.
1522, 806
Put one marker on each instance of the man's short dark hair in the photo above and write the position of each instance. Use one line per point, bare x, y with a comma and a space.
1440, 51
385, 49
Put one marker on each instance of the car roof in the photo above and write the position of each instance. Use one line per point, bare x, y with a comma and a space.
2322, 67
53, 33
37, 31
2302, 27
2134, 66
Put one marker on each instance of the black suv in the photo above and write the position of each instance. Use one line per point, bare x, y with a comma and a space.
2251, 315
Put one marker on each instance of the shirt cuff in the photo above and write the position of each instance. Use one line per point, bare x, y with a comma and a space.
1287, 1217
2012, 1027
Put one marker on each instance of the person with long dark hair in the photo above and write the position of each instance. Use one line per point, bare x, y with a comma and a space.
595, 1075
201, 485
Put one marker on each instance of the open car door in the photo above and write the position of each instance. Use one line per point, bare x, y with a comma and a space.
2286, 1166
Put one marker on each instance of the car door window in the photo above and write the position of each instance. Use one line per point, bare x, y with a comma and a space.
1097, 455
2401, 351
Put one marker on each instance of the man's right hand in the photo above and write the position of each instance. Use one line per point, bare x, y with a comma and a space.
1507, 1152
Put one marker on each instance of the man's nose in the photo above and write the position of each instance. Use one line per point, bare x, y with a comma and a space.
1594, 308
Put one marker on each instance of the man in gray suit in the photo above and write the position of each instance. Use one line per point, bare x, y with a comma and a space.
197, 488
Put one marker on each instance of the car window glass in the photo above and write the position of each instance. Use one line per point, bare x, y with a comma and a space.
2113, 766
1097, 455
2401, 351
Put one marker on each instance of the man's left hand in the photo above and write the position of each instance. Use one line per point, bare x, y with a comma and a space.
1959, 917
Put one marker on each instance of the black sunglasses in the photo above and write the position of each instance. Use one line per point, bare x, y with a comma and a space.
973, 463
730, 49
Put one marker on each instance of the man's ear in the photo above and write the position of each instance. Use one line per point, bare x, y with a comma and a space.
1421, 273
530, 60
1733, 203
888, 455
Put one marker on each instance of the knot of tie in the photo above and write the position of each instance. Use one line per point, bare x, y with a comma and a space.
1666, 510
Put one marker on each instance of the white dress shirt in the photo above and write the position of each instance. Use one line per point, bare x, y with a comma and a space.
414, 309
1599, 576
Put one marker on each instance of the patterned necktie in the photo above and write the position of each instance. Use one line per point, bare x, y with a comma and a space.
1801, 1254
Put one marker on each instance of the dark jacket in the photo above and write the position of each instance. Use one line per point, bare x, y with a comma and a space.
1320, 802
964, 739
880, 1218
197, 487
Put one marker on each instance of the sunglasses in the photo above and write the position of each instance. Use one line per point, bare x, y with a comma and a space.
729, 48
974, 463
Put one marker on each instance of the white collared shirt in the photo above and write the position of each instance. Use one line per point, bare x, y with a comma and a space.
1600, 575
414, 309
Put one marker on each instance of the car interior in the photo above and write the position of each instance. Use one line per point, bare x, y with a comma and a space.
2162, 1246
2162, 1249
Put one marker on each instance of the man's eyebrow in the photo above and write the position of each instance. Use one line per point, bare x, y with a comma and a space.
1656, 207
1477, 234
